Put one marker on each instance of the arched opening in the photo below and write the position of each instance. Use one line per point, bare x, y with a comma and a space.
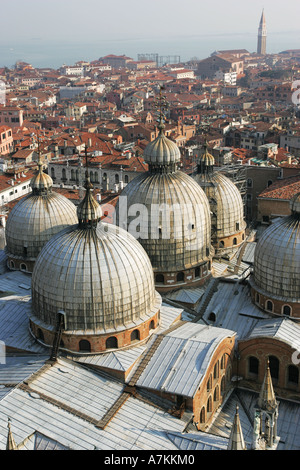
274, 367
116, 179
12, 265
234, 241
293, 375
223, 361
221, 244
237, 226
152, 325
84, 345
286, 310
160, 279
64, 175
257, 298
209, 405
209, 383
135, 336
216, 393
253, 365
202, 416
52, 173
216, 370
180, 277
198, 271
23, 267
212, 317
126, 179
223, 384
269, 305
40, 334
111, 343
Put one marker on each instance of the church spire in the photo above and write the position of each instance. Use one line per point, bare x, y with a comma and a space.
10, 443
236, 439
267, 400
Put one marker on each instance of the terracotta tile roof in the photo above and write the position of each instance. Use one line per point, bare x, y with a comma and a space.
283, 189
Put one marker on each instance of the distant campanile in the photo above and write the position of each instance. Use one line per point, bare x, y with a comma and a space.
262, 36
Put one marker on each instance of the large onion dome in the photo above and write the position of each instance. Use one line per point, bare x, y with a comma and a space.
226, 204
276, 279
34, 220
101, 278
168, 213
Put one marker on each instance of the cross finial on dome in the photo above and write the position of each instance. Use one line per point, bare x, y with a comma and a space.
88, 211
161, 105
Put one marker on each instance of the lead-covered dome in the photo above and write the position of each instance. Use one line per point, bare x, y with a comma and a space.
226, 204
34, 220
102, 279
168, 213
276, 278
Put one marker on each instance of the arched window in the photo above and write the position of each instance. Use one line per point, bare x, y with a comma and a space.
216, 370
117, 179
223, 361
197, 271
96, 178
152, 325
221, 244
270, 182
209, 383
249, 183
23, 267
274, 367
64, 174
92, 176
237, 226
212, 316
159, 278
253, 365
216, 393
202, 416
180, 277
293, 375
40, 334
111, 343
234, 241
257, 298
84, 345
286, 310
126, 179
135, 335
52, 173
12, 265
223, 384
269, 305
209, 405
73, 175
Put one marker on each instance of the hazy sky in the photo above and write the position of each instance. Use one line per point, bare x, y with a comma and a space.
88, 20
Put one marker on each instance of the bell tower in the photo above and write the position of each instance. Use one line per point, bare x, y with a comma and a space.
262, 36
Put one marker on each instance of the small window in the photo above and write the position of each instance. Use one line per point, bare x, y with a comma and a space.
234, 241
212, 316
286, 310
111, 343
293, 375
253, 364
23, 267
269, 306
159, 279
180, 277
197, 271
135, 336
84, 345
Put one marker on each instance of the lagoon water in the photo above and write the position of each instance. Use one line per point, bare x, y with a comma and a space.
53, 54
